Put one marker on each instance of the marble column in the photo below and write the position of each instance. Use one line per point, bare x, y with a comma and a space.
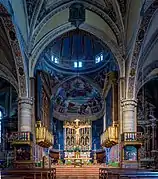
25, 114
129, 115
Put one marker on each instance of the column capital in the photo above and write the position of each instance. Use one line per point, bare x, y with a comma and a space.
129, 102
25, 100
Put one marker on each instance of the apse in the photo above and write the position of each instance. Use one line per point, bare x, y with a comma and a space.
74, 75
77, 97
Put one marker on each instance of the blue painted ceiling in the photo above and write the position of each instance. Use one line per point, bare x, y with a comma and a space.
75, 46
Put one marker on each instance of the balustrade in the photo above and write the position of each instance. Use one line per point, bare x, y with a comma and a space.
132, 136
20, 137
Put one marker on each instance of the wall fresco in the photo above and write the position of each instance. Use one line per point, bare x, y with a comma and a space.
79, 97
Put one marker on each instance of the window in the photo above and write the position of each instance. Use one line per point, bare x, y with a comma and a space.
99, 58
55, 59
1, 126
75, 65
78, 64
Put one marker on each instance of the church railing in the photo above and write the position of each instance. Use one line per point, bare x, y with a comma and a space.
132, 136
20, 137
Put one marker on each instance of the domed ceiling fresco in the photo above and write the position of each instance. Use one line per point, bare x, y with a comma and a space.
74, 62
77, 96
76, 46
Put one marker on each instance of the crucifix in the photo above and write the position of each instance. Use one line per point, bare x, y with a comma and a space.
77, 129
76, 126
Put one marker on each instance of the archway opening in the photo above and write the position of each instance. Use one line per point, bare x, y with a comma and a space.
77, 83
147, 115
8, 120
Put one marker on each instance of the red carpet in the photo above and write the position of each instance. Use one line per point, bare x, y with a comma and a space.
71, 172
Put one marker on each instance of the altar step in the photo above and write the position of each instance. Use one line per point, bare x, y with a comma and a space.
71, 172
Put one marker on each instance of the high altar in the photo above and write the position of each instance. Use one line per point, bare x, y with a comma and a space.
77, 141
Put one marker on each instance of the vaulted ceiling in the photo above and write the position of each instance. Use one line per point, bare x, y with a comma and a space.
118, 23
7, 64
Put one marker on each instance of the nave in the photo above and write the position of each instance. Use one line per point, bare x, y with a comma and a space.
78, 88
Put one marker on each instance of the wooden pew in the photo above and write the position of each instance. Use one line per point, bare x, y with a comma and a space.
35, 173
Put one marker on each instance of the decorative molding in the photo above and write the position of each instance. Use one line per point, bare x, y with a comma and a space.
25, 100
14, 44
128, 104
139, 41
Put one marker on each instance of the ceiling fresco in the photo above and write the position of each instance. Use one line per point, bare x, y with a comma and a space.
77, 96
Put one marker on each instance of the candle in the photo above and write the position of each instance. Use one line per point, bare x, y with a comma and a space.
59, 147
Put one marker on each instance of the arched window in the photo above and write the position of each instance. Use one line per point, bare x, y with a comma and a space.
1, 116
99, 58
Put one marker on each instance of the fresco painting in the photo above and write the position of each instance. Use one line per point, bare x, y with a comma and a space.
78, 96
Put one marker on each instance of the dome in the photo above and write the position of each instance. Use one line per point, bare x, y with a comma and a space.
77, 50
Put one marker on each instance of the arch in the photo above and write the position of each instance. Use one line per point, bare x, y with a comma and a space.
131, 80
149, 62
67, 27
91, 7
16, 51
145, 81
72, 77
73, 104
6, 74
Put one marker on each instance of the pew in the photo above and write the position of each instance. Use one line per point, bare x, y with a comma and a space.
35, 173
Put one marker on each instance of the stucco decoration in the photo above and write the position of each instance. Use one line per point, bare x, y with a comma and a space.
139, 41
11, 33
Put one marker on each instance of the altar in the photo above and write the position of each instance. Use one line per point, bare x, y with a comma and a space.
77, 142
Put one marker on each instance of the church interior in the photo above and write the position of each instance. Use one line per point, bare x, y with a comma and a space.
78, 89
